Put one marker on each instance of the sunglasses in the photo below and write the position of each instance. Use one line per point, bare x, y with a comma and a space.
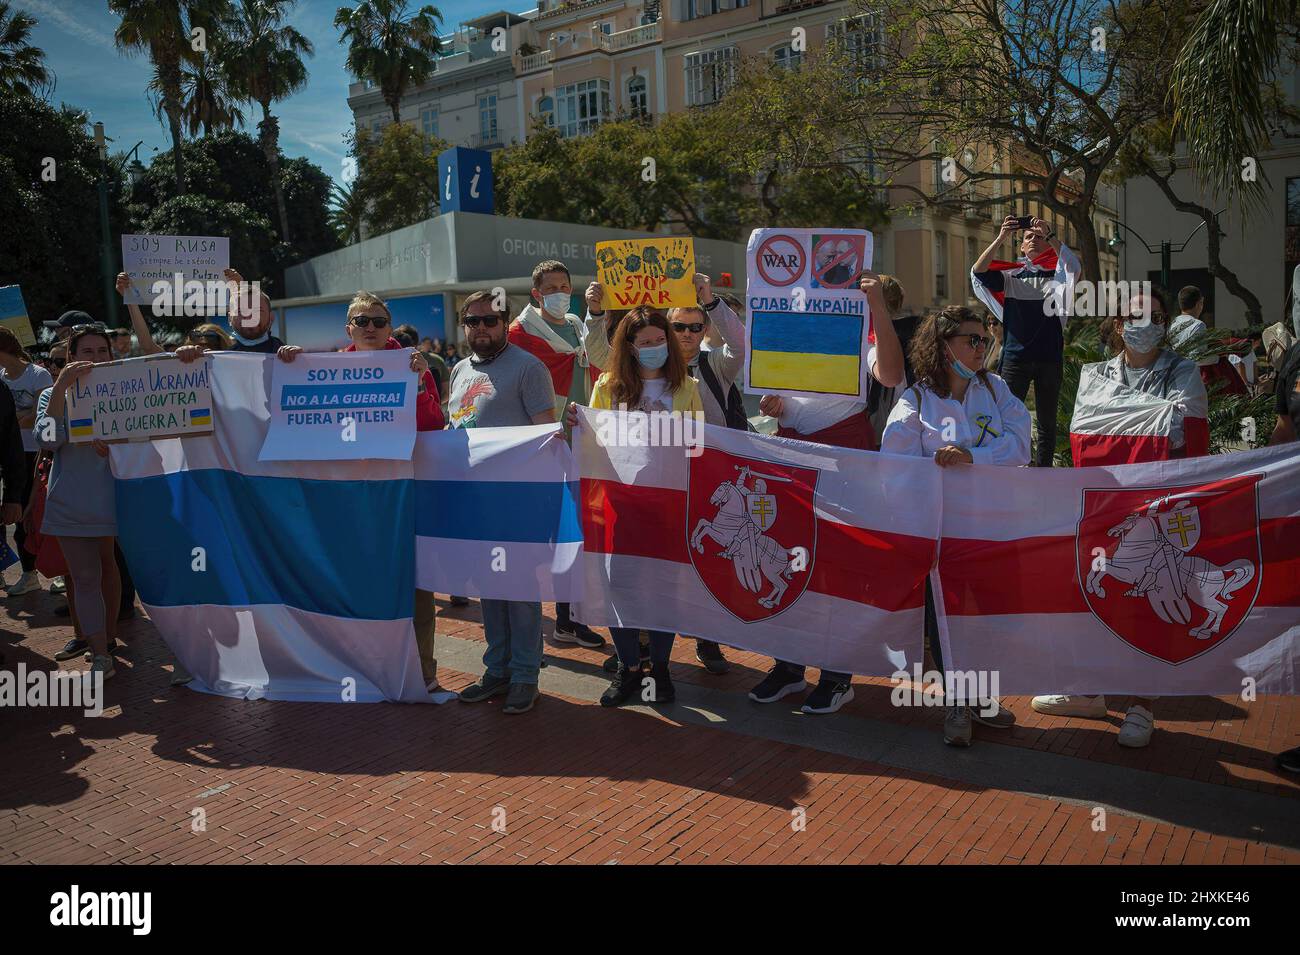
365, 321
487, 321
976, 342
1157, 317
93, 327
693, 327
204, 338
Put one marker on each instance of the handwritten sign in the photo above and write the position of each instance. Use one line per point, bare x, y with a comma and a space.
13, 314
809, 325
342, 407
151, 258
137, 399
658, 272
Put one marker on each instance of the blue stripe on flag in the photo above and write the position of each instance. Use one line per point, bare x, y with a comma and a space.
808, 332
506, 511
341, 548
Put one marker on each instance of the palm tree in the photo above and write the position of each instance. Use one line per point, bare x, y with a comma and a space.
162, 29
1219, 92
388, 47
347, 208
206, 100
22, 66
265, 65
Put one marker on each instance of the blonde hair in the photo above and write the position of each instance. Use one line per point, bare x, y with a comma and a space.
892, 290
209, 329
363, 300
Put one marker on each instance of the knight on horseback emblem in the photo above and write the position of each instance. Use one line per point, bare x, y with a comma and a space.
1156, 554
745, 510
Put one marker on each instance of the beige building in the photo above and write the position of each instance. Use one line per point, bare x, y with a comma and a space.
575, 65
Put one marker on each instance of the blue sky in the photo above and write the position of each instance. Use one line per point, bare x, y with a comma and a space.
77, 37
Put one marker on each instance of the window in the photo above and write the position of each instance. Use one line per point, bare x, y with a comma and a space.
694, 9
859, 37
709, 75
429, 121
487, 118
941, 265
787, 57
581, 107
638, 101
968, 187
546, 110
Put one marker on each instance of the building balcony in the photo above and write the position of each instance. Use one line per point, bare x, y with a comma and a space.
534, 62
626, 39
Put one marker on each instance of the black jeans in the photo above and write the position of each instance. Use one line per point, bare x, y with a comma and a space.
20, 535
1045, 376
797, 670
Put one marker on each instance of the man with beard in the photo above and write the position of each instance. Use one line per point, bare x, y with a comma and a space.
501, 385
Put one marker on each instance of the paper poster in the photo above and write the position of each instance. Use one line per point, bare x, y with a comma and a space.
13, 314
199, 260
658, 272
141, 398
343, 406
808, 320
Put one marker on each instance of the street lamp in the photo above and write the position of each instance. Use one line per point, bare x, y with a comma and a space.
1166, 248
106, 259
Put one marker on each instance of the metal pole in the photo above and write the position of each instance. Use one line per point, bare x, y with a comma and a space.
1164, 265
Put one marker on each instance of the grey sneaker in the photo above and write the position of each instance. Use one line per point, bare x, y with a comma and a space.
486, 686
989, 713
103, 663
956, 726
521, 698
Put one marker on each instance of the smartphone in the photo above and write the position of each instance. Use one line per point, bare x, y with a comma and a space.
1022, 222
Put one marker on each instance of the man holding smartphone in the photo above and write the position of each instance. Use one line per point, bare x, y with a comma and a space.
1029, 298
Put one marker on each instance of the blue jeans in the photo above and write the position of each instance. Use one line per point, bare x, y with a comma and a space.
513, 629
628, 644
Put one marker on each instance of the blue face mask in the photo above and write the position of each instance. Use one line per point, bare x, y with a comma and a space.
652, 356
557, 303
250, 342
959, 368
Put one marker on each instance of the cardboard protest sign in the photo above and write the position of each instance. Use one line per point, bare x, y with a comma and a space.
151, 258
141, 398
809, 325
344, 406
13, 314
658, 272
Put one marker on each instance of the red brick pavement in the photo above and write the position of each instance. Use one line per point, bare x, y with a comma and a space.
316, 783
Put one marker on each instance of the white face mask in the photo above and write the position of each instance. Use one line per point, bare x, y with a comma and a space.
1142, 338
557, 303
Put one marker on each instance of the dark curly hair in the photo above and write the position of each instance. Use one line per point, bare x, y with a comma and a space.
927, 353
624, 379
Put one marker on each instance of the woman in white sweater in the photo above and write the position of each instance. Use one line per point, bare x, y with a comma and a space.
957, 413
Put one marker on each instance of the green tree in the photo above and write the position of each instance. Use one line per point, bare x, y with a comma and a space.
264, 64
51, 245
206, 101
397, 176
385, 45
22, 66
163, 30
347, 212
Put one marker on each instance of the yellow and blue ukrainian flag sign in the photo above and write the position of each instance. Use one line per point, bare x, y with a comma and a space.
201, 416
803, 351
81, 427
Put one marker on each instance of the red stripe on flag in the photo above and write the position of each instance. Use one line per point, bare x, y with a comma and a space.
1040, 574
882, 570
1103, 450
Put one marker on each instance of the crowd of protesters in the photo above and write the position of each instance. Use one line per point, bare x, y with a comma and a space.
950, 386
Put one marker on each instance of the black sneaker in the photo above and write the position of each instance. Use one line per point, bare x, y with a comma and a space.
611, 663
827, 697
578, 633
113, 647
625, 685
664, 691
1288, 760
521, 698
457, 601
485, 687
779, 682
73, 648
710, 654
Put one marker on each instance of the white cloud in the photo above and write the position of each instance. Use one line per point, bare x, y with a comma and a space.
69, 23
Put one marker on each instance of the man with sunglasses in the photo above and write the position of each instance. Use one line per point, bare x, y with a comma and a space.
501, 385
1029, 298
715, 370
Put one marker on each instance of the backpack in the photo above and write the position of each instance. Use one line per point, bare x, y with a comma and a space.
732, 406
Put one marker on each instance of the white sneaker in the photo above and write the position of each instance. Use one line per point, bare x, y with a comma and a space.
1094, 706
1138, 724
58, 585
25, 584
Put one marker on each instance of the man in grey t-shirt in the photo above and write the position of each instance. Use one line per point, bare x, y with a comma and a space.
502, 385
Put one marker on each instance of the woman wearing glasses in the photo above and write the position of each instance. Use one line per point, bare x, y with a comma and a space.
1145, 367
957, 413
80, 502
